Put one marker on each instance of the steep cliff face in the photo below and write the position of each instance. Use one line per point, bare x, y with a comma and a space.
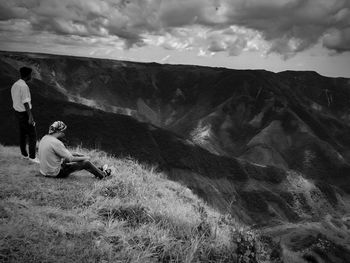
265, 147
270, 149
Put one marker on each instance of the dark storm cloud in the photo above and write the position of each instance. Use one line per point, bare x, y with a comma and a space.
338, 40
9, 10
288, 26
292, 25
82, 17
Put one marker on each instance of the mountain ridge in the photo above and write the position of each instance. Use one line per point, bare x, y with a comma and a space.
208, 125
157, 63
270, 149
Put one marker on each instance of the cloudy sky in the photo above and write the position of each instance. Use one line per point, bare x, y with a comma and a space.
274, 35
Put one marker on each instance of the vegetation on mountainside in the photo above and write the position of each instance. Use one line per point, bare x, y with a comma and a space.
135, 216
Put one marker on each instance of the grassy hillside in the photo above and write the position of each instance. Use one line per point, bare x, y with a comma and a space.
138, 215
135, 216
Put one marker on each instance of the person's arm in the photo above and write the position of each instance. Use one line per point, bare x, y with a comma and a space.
25, 97
78, 154
29, 112
63, 152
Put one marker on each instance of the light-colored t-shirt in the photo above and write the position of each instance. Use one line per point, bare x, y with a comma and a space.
51, 153
20, 94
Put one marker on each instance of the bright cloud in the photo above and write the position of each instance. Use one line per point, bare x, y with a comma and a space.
284, 27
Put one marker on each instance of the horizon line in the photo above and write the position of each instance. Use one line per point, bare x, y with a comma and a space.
170, 64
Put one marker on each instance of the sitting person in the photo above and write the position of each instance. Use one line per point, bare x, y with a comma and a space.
57, 161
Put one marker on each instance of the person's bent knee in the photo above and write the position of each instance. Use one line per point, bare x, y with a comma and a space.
86, 163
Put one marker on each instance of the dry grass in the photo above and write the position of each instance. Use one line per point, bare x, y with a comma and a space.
135, 216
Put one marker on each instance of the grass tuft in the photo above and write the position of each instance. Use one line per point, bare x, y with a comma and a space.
137, 215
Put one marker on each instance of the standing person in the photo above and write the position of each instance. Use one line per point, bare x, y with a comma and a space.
21, 99
57, 161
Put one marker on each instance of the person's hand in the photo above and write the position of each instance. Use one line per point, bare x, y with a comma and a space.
31, 120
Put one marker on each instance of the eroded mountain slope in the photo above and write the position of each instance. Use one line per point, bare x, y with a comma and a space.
232, 135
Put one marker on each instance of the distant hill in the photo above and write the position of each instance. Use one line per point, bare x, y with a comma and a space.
265, 147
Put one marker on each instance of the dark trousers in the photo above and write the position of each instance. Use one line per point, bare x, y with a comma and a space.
68, 168
26, 130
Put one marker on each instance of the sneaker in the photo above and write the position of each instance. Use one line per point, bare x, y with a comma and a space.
25, 157
112, 168
106, 170
100, 168
35, 160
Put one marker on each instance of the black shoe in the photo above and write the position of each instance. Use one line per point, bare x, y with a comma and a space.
107, 172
